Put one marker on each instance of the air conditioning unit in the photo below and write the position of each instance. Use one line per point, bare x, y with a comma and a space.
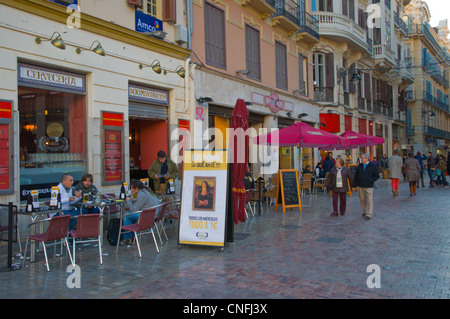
181, 35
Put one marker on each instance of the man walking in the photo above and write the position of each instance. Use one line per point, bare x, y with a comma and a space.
420, 158
430, 168
365, 176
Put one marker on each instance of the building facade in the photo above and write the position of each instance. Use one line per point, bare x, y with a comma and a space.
259, 51
91, 87
361, 70
428, 98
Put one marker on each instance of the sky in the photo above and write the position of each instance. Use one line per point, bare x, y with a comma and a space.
440, 10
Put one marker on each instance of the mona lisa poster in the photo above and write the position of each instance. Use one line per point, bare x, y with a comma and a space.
204, 198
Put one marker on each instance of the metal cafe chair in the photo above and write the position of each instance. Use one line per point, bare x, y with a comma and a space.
88, 226
143, 226
57, 230
249, 203
159, 223
172, 212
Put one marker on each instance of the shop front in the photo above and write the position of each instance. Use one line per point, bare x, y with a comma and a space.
148, 117
52, 125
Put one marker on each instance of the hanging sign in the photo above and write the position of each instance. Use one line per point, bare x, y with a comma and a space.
204, 200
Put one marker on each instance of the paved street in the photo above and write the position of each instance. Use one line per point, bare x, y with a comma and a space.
274, 255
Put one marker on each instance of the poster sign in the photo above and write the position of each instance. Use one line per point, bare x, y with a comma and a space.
113, 156
204, 198
6, 147
113, 148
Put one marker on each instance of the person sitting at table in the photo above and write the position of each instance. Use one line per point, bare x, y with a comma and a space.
161, 170
319, 171
249, 181
69, 198
85, 187
145, 199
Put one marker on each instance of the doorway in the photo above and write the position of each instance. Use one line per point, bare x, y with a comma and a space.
146, 138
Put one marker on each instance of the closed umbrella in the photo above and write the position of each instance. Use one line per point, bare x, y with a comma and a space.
239, 124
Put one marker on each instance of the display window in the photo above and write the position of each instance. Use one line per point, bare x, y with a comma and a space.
52, 137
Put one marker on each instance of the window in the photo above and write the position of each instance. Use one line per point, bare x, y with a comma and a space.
52, 136
303, 74
152, 7
281, 65
388, 35
322, 5
252, 53
215, 36
319, 69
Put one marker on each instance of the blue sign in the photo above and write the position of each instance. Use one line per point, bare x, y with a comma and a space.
65, 2
147, 23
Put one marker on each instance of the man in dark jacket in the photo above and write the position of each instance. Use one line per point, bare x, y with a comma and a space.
365, 176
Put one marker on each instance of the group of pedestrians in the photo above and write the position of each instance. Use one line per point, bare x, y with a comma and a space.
412, 169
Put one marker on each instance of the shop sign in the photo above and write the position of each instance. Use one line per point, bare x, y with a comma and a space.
33, 74
274, 103
147, 94
147, 23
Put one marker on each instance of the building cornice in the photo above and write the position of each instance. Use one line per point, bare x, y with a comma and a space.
58, 13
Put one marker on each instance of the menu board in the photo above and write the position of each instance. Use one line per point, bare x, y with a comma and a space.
352, 168
113, 156
288, 194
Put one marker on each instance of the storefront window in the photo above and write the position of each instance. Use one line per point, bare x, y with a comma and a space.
52, 137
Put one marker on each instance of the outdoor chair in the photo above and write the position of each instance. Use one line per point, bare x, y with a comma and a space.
57, 230
159, 223
272, 188
173, 210
87, 227
305, 183
143, 226
249, 202
320, 183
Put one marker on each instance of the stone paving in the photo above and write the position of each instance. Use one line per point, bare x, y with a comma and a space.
294, 255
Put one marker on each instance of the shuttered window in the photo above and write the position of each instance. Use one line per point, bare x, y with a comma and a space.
215, 36
281, 65
303, 74
252, 53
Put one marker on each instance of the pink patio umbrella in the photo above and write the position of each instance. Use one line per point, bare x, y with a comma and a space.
302, 135
358, 140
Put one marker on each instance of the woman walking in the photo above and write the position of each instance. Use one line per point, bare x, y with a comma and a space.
338, 181
412, 174
395, 171
442, 166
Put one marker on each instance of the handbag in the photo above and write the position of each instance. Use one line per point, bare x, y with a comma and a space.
404, 170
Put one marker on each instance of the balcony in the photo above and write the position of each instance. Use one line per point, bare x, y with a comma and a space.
400, 24
338, 27
309, 28
428, 97
405, 68
384, 55
264, 7
286, 15
323, 94
432, 131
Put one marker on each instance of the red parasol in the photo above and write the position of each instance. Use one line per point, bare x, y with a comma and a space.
239, 146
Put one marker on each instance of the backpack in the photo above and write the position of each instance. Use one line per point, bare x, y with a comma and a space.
113, 231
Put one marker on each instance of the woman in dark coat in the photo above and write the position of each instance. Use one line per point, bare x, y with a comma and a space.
339, 181
412, 173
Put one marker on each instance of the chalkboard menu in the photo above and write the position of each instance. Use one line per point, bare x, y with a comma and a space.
288, 194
